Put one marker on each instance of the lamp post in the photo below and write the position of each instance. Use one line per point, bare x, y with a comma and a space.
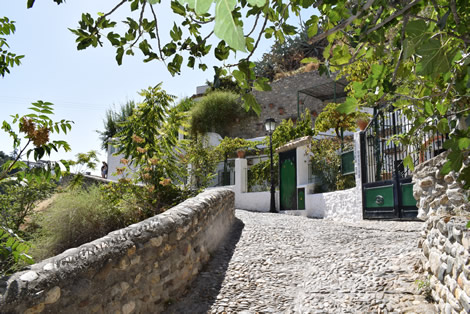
270, 125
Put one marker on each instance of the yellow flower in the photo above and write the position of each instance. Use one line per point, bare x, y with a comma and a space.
165, 182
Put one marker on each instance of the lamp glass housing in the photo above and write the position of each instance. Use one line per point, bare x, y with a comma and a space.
270, 125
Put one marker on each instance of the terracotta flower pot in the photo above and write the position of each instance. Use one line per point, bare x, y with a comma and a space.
362, 123
240, 153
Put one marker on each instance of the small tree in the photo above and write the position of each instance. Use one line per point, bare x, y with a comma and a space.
30, 186
149, 141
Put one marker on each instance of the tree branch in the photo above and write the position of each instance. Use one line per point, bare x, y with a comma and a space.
392, 17
158, 35
259, 38
254, 26
453, 8
4, 174
343, 24
140, 25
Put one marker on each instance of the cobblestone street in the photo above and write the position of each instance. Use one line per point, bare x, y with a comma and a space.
277, 263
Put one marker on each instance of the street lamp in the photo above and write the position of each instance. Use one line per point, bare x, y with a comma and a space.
270, 125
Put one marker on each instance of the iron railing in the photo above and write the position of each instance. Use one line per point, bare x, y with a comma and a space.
384, 156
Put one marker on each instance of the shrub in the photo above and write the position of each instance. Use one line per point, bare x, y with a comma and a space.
77, 217
326, 165
18, 200
216, 112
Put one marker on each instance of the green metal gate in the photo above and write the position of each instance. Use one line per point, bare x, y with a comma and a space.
387, 191
288, 180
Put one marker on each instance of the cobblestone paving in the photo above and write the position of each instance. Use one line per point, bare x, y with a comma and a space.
278, 263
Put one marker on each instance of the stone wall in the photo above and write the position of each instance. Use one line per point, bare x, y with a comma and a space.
445, 240
133, 270
281, 103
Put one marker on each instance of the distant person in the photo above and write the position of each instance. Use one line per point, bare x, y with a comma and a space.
104, 170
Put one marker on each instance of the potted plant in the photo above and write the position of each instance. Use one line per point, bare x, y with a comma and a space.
241, 153
362, 122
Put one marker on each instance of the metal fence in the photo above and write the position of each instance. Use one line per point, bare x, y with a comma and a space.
384, 155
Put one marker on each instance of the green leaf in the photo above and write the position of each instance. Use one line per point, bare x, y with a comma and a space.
464, 143
428, 108
310, 60
262, 84
408, 162
199, 6
313, 29
258, 3
119, 54
436, 60
225, 26
359, 90
153, 1
348, 106
249, 101
415, 28
443, 126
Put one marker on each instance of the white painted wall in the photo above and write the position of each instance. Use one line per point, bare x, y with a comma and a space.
258, 201
302, 156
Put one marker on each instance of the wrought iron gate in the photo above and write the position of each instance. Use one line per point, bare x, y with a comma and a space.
387, 190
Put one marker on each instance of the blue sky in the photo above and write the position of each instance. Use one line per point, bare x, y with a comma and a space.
81, 84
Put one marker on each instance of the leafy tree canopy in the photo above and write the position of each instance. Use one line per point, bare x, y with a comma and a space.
417, 51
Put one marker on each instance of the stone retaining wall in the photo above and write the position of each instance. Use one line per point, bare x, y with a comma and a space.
133, 270
445, 238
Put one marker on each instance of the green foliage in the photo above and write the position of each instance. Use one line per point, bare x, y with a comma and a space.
149, 141
77, 217
417, 52
330, 118
326, 165
112, 122
7, 58
13, 252
201, 161
286, 131
224, 83
216, 112
259, 175
83, 160
88, 160
228, 146
18, 201
36, 128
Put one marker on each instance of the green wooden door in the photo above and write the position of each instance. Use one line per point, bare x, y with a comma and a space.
288, 184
